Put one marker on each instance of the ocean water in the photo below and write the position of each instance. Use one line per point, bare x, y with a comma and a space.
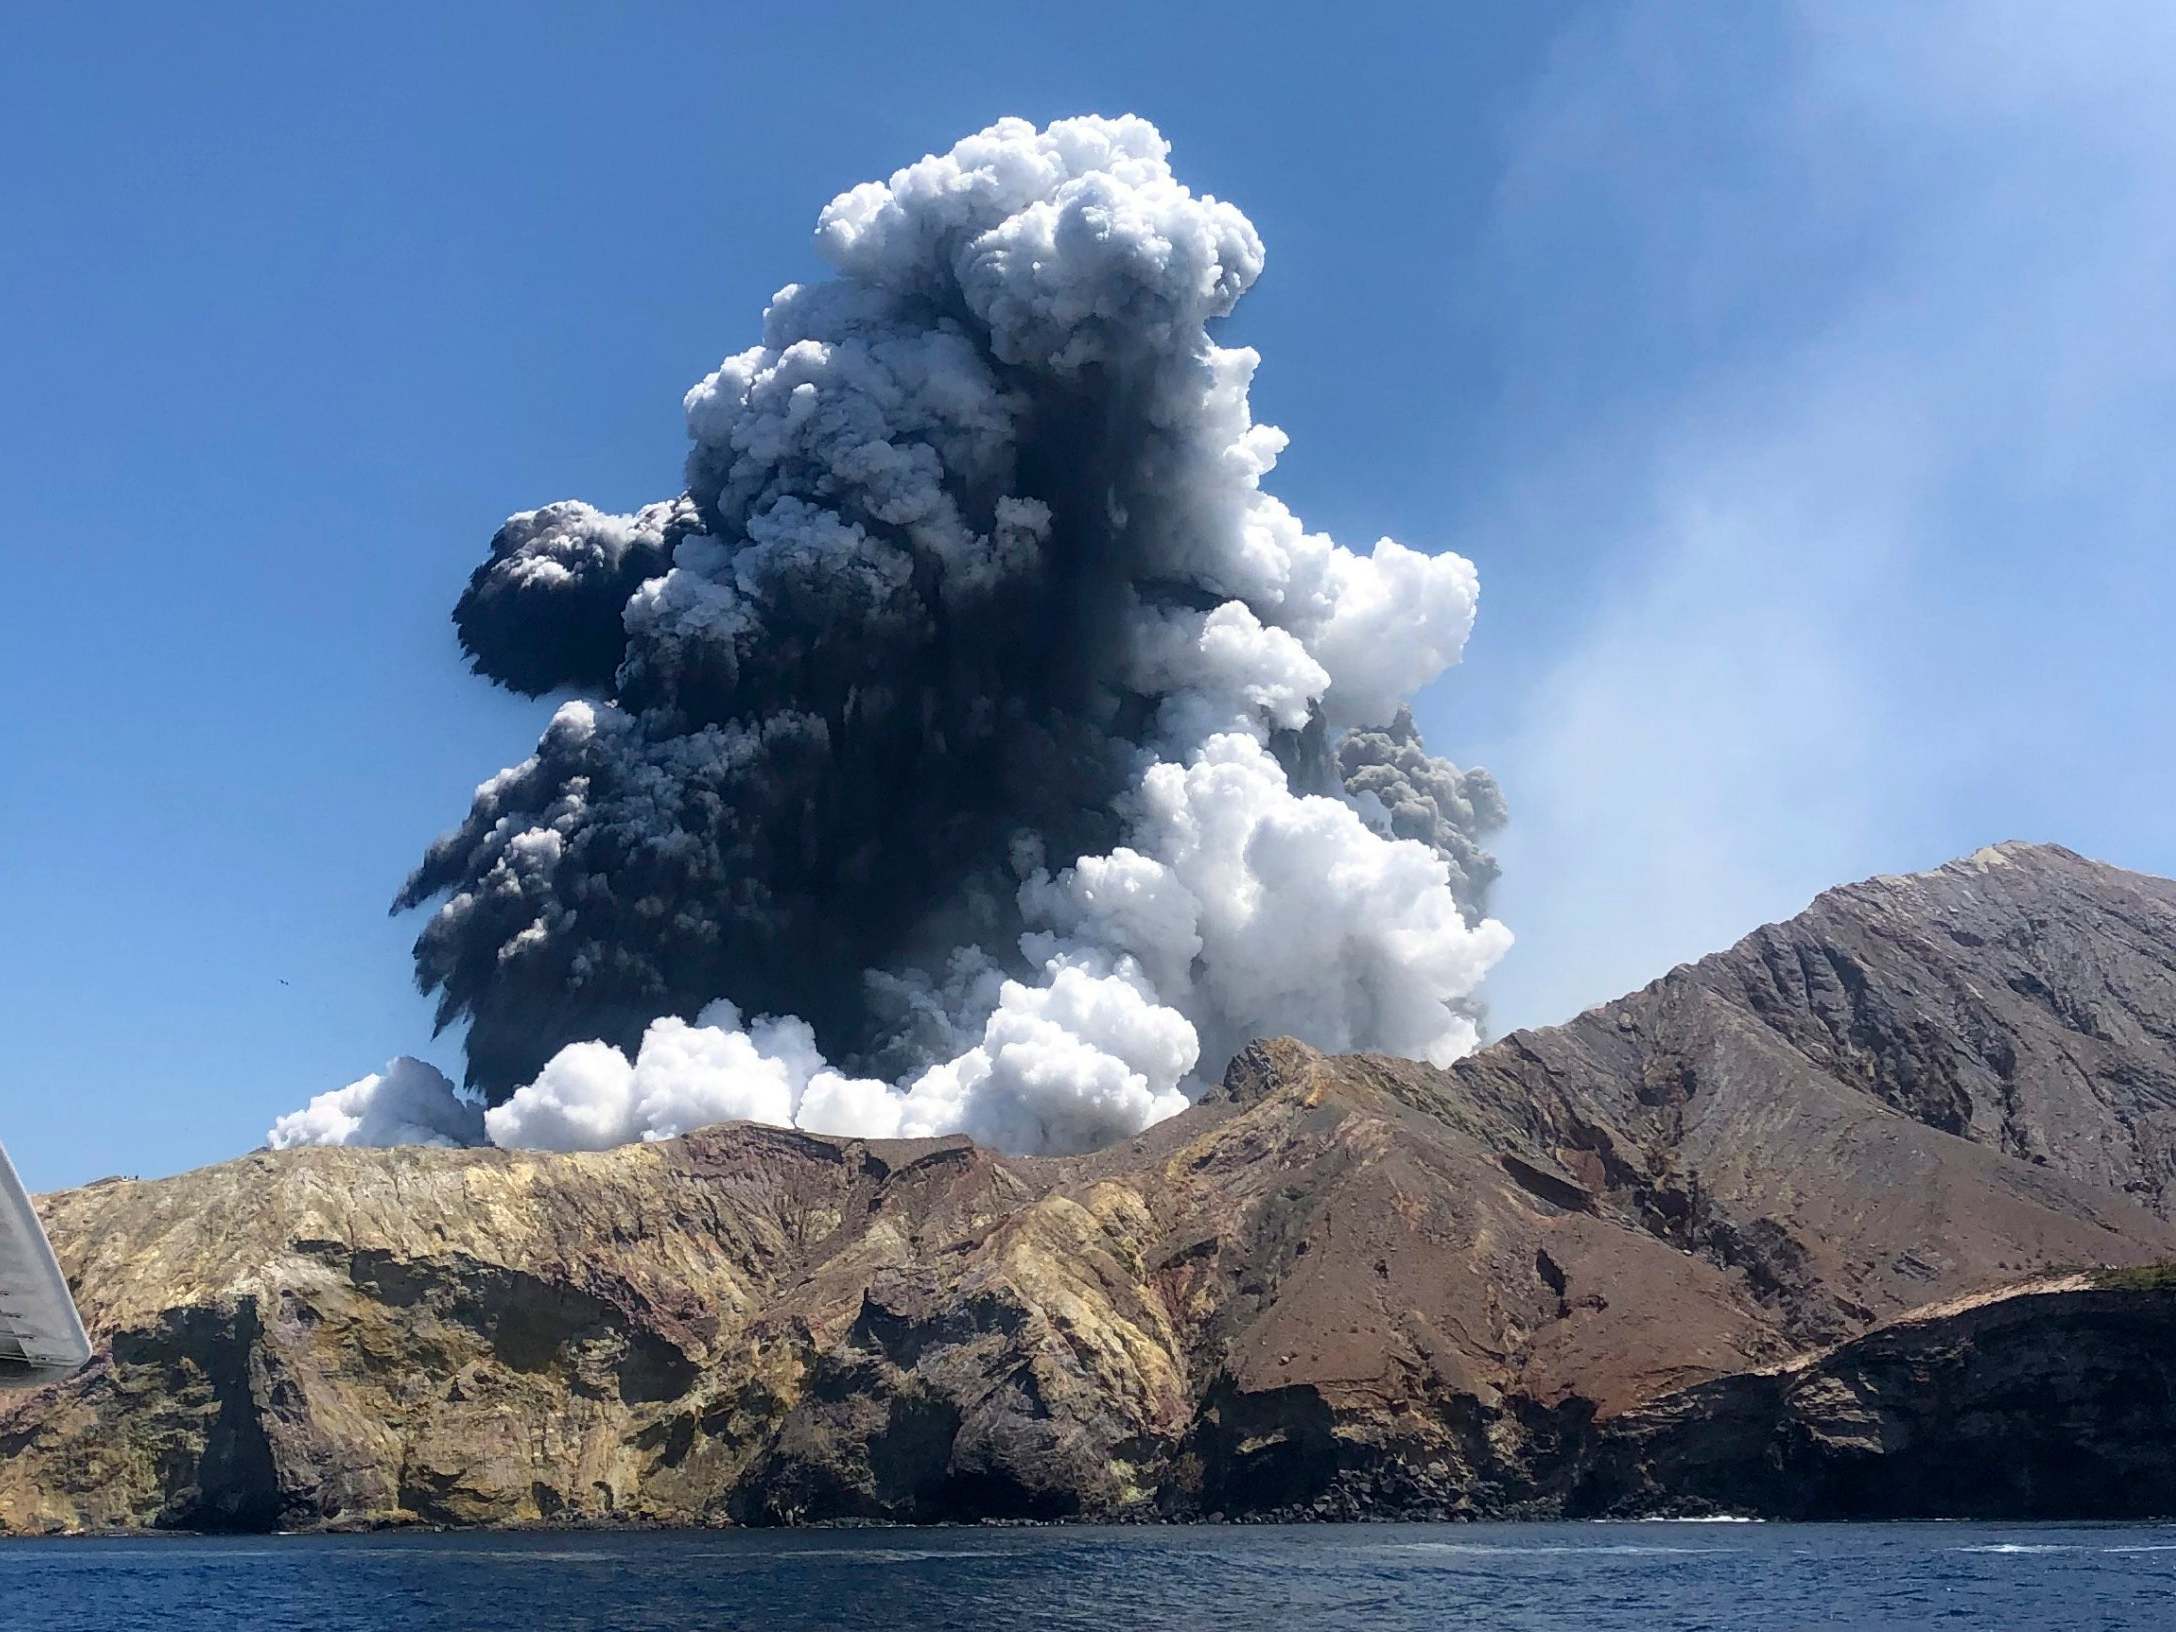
1384, 1578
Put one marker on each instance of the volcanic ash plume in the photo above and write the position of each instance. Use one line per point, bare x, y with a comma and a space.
973, 745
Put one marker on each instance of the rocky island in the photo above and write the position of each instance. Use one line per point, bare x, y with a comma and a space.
1859, 1218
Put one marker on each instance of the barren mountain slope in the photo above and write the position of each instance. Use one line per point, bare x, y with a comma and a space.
1340, 1286
1919, 1084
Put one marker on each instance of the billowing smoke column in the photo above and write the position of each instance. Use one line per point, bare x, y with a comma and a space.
973, 746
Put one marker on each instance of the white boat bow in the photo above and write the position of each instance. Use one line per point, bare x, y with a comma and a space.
41, 1336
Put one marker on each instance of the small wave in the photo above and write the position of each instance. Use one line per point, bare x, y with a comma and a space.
540, 1555
2019, 1547
401, 1549
621, 1555
890, 1555
1506, 1549
1702, 1518
167, 1552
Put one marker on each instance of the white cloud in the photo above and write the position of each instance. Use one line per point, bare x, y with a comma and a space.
1875, 520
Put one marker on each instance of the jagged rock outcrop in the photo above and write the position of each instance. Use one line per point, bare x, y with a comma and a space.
1339, 1286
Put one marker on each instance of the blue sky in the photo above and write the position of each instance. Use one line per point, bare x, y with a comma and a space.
1802, 388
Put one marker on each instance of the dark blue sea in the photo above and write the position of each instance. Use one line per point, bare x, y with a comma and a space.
1383, 1578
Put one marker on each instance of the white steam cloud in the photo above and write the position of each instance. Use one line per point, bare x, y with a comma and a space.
408, 1103
1227, 829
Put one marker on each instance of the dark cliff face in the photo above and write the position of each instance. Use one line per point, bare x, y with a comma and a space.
2051, 1402
1341, 1286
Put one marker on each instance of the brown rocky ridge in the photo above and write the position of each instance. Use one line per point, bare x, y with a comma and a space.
1738, 1241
